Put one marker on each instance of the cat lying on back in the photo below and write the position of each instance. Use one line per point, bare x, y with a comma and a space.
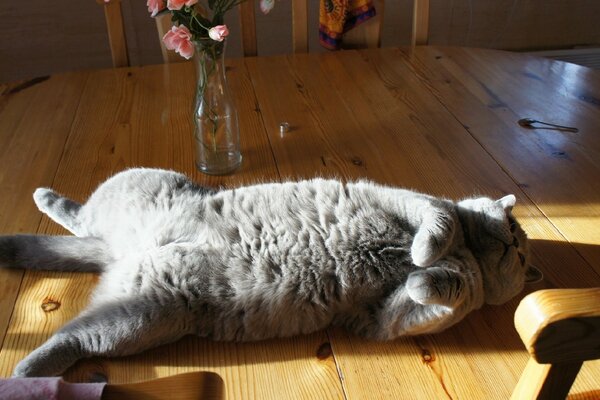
266, 261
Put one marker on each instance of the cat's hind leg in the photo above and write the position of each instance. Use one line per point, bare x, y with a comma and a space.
398, 315
432, 299
62, 210
117, 328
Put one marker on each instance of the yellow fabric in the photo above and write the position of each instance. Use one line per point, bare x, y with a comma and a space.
338, 16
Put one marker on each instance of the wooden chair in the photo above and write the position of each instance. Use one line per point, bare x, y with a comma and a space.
116, 34
560, 329
367, 36
118, 43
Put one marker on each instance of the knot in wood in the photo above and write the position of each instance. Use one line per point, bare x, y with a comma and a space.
49, 305
357, 161
324, 351
426, 356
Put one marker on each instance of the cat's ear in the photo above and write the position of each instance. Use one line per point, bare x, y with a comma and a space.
507, 202
533, 275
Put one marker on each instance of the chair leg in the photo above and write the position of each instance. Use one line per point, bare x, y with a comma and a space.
546, 381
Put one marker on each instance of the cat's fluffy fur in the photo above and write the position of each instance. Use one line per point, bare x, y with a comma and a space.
266, 261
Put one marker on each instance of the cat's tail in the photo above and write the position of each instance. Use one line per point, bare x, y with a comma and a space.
54, 253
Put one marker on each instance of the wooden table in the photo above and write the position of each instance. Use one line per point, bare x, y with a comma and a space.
439, 120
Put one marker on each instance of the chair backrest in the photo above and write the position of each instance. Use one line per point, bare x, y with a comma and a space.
420, 23
116, 34
299, 27
369, 36
118, 43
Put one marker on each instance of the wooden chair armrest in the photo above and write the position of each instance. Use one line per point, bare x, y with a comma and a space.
560, 329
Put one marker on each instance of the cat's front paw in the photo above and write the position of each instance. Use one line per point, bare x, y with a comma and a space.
423, 250
435, 286
433, 238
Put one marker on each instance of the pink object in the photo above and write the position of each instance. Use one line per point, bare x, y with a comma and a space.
179, 39
218, 33
48, 389
155, 6
178, 4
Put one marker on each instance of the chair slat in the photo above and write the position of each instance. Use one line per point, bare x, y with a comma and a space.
420, 23
300, 26
116, 33
248, 27
163, 25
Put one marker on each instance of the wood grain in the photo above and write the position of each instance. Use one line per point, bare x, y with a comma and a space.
388, 115
496, 90
371, 117
139, 117
30, 150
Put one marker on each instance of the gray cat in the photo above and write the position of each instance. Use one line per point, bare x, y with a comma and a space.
266, 261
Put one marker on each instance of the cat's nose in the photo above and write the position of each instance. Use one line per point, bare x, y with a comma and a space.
515, 242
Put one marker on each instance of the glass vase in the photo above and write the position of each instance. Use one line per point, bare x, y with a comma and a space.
216, 129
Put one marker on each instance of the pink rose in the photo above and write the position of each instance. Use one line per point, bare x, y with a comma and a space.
178, 4
155, 6
179, 39
218, 33
266, 5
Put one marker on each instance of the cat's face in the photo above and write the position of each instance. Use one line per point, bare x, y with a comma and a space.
500, 246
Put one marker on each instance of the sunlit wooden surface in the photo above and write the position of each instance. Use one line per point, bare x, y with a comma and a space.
439, 120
